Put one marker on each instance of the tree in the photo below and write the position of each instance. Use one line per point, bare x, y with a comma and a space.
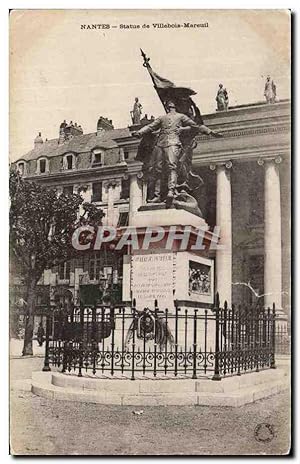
41, 227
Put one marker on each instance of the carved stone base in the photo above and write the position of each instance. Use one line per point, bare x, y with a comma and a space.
158, 215
162, 206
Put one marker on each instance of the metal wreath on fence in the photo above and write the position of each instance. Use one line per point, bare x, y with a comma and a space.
150, 326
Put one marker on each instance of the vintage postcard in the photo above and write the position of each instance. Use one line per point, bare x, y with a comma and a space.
150, 236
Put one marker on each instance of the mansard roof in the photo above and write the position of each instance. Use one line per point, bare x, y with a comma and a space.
78, 144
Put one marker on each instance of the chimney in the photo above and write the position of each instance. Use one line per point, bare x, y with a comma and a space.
68, 131
104, 124
38, 141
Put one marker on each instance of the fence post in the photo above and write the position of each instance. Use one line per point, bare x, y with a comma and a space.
257, 338
238, 344
166, 342
176, 338
224, 336
155, 335
63, 335
133, 342
216, 375
273, 365
81, 344
112, 318
46, 367
94, 344
195, 346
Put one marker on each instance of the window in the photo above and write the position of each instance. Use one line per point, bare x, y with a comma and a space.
21, 168
97, 158
68, 189
123, 219
97, 191
107, 271
68, 162
64, 270
42, 166
124, 189
94, 268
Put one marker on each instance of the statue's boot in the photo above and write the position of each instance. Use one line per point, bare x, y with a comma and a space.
156, 198
171, 186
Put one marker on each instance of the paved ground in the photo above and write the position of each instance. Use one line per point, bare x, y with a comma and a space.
16, 347
42, 426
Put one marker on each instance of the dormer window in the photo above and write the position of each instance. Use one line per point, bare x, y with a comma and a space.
42, 166
97, 157
69, 161
21, 168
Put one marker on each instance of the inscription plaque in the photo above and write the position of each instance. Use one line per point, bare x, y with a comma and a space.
152, 278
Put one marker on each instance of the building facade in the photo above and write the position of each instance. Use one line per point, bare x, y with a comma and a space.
246, 192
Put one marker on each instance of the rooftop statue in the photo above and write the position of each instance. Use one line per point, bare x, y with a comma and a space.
270, 90
222, 99
136, 112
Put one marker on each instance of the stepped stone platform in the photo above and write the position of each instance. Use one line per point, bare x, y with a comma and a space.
161, 391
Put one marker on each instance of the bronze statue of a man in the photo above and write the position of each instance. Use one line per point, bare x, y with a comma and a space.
169, 146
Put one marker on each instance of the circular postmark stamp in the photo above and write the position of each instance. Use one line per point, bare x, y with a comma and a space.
264, 432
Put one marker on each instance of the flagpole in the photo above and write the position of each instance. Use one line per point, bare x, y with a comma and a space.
147, 65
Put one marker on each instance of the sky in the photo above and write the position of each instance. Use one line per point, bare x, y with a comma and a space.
59, 71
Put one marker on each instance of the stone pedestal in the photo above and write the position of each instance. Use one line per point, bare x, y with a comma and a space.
158, 215
184, 276
163, 272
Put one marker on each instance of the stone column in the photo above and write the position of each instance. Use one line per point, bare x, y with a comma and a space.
110, 188
135, 194
224, 222
272, 236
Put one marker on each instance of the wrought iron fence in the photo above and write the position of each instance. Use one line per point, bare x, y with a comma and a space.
282, 340
213, 342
